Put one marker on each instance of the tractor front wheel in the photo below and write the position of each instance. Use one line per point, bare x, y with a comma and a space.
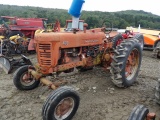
126, 63
23, 80
62, 104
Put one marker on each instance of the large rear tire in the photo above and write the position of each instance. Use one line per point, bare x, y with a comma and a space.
126, 63
22, 80
139, 112
62, 104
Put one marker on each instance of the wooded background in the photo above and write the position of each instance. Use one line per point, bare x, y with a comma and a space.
119, 20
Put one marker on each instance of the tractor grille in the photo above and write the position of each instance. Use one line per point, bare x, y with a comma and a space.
45, 46
45, 62
44, 54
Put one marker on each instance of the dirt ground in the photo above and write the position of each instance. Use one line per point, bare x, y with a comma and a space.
100, 98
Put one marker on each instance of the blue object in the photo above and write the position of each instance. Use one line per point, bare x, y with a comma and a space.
75, 9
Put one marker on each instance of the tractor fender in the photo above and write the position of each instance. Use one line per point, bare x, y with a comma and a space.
155, 43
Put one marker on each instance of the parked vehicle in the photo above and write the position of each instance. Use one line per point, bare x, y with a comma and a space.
81, 50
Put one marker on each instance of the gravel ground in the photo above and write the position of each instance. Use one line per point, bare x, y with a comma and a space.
100, 98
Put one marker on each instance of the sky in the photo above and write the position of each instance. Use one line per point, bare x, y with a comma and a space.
92, 5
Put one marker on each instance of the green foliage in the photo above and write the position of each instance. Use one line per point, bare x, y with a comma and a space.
93, 18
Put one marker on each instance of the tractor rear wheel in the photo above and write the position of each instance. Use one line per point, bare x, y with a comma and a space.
23, 81
62, 104
126, 63
139, 112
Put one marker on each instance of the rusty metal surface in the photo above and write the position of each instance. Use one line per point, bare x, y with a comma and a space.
151, 116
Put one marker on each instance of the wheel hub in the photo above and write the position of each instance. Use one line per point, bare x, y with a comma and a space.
64, 108
26, 79
132, 64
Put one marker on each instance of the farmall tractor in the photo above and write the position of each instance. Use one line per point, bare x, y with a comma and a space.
82, 50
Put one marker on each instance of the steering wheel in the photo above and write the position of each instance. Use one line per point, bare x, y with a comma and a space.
108, 26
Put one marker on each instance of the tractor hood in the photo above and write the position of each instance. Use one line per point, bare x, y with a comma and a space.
69, 39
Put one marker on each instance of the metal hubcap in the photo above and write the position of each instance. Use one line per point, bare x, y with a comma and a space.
64, 108
26, 79
132, 64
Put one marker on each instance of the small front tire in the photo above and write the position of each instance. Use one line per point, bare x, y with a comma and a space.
62, 104
22, 81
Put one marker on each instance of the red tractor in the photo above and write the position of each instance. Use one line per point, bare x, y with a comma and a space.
25, 27
82, 50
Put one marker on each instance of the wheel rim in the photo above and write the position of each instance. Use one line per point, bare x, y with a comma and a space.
26, 79
132, 64
64, 108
